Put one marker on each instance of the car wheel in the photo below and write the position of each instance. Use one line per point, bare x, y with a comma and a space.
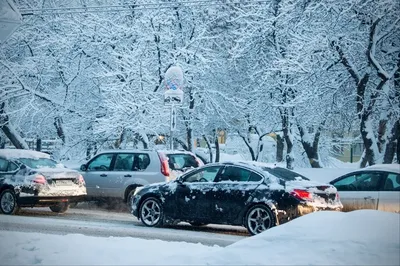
151, 212
129, 199
60, 207
8, 202
258, 219
198, 224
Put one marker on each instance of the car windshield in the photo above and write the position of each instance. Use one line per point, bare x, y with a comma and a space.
38, 163
284, 174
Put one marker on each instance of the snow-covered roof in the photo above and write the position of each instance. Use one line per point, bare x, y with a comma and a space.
20, 153
385, 167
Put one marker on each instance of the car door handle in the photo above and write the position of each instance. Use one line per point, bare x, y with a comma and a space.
368, 198
103, 175
127, 176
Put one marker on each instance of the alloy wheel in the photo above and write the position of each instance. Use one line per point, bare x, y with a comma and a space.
151, 212
258, 220
7, 202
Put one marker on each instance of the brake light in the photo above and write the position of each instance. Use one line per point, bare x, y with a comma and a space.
301, 194
81, 180
164, 164
39, 179
199, 162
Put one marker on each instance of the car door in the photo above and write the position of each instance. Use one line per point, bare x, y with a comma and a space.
97, 171
121, 169
389, 196
359, 190
194, 194
233, 188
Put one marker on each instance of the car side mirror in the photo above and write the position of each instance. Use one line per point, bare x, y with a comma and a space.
83, 167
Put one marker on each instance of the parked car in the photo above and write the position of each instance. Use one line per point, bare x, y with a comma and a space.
31, 179
116, 173
376, 187
250, 194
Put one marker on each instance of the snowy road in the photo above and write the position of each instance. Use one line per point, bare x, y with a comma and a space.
105, 223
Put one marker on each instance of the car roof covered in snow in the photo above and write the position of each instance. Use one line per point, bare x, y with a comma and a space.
21, 153
395, 167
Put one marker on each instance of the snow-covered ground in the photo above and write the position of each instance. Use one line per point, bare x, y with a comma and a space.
322, 238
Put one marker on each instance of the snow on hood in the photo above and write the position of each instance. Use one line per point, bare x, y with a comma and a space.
20, 153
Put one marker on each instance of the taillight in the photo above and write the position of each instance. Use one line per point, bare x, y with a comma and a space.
199, 162
301, 194
39, 179
164, 164
81, 180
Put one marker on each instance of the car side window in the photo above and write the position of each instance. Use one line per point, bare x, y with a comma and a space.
140, 161
123, 162
3, 165
392, 182
12, 167
235, 174
367, 181
204, 175
101, 163
181, 161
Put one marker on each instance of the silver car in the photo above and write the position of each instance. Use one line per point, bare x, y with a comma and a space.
117, 173
376, 187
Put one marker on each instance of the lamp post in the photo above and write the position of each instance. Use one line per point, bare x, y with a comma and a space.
173, 95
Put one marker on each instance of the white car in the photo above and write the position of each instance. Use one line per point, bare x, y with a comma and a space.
376, 187
31, 179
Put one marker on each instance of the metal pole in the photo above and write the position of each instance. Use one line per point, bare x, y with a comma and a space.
170, 129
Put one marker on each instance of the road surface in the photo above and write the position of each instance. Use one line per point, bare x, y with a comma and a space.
100, 222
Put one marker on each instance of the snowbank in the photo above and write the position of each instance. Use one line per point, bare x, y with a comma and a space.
322, 238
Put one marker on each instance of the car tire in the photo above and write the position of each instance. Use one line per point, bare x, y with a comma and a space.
197, 224
8, 202
60, 207
258, 219
129, 198
151, 212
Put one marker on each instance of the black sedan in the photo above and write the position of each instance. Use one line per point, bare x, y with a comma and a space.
248, 194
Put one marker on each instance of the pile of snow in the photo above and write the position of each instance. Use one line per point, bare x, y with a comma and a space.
323, 238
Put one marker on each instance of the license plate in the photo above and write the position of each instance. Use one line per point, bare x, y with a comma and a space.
64, 183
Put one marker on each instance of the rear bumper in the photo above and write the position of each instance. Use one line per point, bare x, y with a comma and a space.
301, 210
40, 201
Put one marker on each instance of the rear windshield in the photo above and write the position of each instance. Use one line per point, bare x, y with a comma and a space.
180, 161
38, 163
284, 174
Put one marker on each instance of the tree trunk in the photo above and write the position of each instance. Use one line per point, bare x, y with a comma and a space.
38, 144
189, 137
209, 147
369, 142
288, 138
216, 149
9, 130
392, 144
58, 123
280, 145
311, 149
